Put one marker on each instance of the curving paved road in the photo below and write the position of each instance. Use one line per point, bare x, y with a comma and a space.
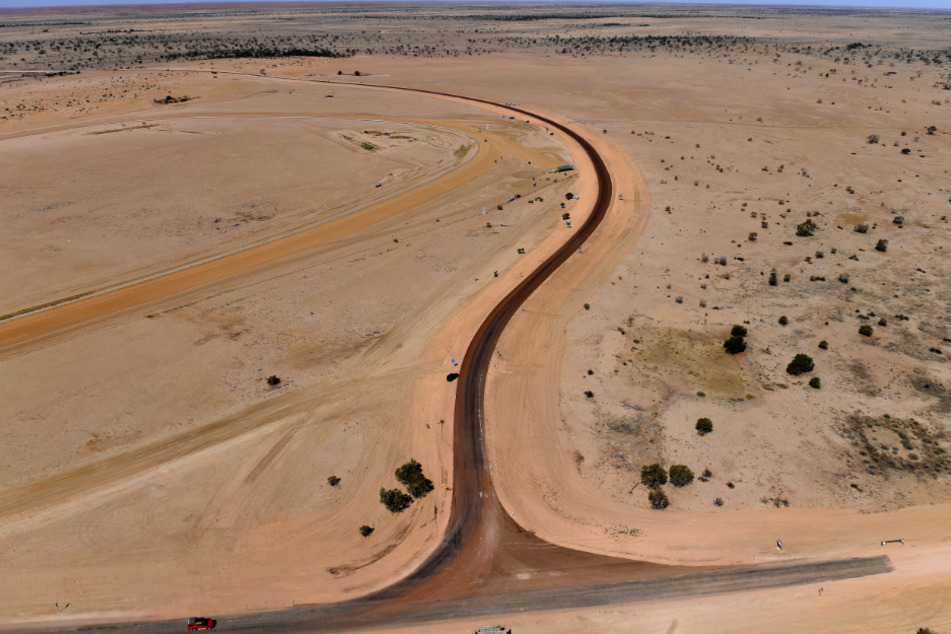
486, 563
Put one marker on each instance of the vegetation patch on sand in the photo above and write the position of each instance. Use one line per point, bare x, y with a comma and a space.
900, 444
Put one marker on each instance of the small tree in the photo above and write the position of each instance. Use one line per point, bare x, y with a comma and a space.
783, 320
658, 499
680, 475
704, 426
395, 500
815, 383
734, 345
653, 475
881, 245
823, 345
333, 480
800, 364
273, 380
738, 331
865, 330
366, 530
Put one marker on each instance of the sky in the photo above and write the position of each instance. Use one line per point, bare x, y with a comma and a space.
908, 4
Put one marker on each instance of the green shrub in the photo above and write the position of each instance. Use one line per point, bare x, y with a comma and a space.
783, 320
865, 330
704, 426
815, 383
273, 380
395, 500
653, 475
658, 499
333, 480
680, 475
738, 331
734, 345
823, 345
366, 530
772, 278
411, 475
882, 245
800, 364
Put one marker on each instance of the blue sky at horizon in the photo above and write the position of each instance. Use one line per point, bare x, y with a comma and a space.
899, 4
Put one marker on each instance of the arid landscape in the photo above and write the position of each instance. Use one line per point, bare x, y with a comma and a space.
241, 262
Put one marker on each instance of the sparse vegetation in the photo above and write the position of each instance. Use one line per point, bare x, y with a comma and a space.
783, 320
333, 480
866, 331
273, 380
823, 345
881, 245
366, 530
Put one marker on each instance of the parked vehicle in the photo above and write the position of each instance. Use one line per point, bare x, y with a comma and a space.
200, 623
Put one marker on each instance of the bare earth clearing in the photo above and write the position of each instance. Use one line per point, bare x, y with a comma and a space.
148, 469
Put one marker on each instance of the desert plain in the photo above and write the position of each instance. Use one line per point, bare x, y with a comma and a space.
198, 198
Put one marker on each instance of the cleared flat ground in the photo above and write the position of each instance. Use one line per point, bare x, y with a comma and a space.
201, 477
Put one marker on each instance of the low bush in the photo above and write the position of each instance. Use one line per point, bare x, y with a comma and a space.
806, 229
704, 426
680, 475
411, 475
658, 499
783, 320
366, 530
273, 380
653, 475
395, 500
800, 364
734, 345
865, 330
815, 383
333, 480
738, 331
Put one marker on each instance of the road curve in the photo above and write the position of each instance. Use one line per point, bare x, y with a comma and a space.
470, 571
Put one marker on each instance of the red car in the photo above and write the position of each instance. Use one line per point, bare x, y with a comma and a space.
197, 623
